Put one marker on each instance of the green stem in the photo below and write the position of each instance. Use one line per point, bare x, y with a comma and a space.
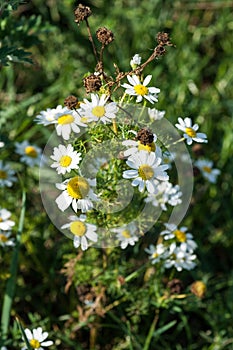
11, 282
151, 331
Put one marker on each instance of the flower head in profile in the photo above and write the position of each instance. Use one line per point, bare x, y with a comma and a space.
49, 116
5, 223
135, 61
68, 120
140, 89
127, 235
190, 131
99, 109
155, 114
30, 154
36, 339
82, 231
65, 159
145, 169
5, 239
7, 175
76, 192
206, 168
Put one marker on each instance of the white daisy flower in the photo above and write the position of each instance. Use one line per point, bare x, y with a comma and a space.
6, 175
77, 192
2, 144
135, 61
136, 146
3, 348
157, 253
206, 168
65, 159
49, 116
180, 258
98, 109
146, 168
140, 89
155, 114
167, 194
190, 131
5, 223
6, 240
126, 235
36, 339
66, 121
82, 231
184, 238
30, 154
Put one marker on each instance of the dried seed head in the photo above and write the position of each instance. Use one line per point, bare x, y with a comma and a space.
92, 83
160, 50
176, 286
163, 39
145, 136
104, 35
81, 13
71, 102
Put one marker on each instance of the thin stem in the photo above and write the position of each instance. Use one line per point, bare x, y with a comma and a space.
91, 40
151, 330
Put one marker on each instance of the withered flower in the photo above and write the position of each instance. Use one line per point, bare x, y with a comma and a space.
104, 36
92, 83
71, 102
145, 136
81, 13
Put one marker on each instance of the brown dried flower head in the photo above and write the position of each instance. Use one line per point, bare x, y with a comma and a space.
163, 39
145, 136
176, 286
92, 83
81, 13
104, 35
71, 102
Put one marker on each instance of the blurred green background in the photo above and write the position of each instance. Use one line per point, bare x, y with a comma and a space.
195, 78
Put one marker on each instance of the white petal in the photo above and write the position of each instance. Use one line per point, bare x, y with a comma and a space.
147, 80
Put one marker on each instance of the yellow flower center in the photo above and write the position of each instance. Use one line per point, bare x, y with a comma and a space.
78, 228
150, 147
180, 235
65, 161
65, 119
78, 187
98, 111
141, 90
145, 172
84, 119
155, 255
35, 344
1, 220
126, 234
3, 175
207, 169
190, 132
3, 238
30, 151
